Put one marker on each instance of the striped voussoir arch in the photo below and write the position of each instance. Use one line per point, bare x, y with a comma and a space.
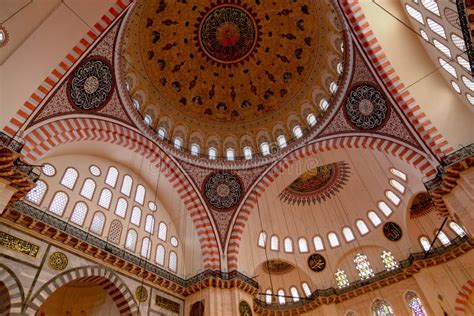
420, 121
462, 298
97, 275
45, 137
11, 293
343, 142
63, 67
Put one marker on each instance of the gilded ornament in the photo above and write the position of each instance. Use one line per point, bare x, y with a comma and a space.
58, 261
316, 262
141, 294
392, 231
17, 244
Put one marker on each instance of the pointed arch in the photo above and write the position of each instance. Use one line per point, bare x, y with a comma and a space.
14, 290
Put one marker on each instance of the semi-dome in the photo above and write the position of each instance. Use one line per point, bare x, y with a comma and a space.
225, 77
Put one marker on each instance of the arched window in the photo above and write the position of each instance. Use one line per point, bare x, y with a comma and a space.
136, 216
178, 142
389, 260
447, 67
48, 170
281, 296
126, 185
69, 178
463, 62
79, 213
195, 149
274, 243
333, 87
131, 241
431, 5
303, 245
443, 238
306, 289
161, 133
468, 83
265, 148
136, 104
248, 153
436, 27
98, 222
173, 261
147, 119
397, 186
318, 243
374, 218
146, 248
324, 105
459, 42
297, 132
397, 173
339, 68
268, 296
311, 119
425, 243
392, 197
414, 13
262, 239
382, 308
333, 240
424, 35
363, 266
230, 154
288, 244
88, 189
351, 313
294, 294
105, 198
37, 194
149, 224
140, 194
281, 141
160, 255
457, 229
456, 87
415, 304
384, 208
442, 48
162, 231
212, 153
362, 227
348, 234
341, 279
115, 231
121, 207
111, 178
59, 202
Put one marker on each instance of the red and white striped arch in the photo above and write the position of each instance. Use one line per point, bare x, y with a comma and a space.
48, 84
462, 298
424, 127
339, 142
43, 138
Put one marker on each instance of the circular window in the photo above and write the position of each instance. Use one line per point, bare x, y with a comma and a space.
174, 241
48, 170
94, 170
152, 206
3, 36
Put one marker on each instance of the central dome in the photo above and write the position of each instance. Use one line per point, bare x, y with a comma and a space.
226, 70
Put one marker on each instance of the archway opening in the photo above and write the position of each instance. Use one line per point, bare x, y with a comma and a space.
83, 297
4, 300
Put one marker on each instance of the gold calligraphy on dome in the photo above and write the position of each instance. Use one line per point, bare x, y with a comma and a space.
17, 244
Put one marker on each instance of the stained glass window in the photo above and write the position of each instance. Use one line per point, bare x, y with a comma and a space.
265, 148
362, 227
297, 132
58, 204
69, 178
262, 239
105, 198
136, 216
318, 243
389, 261
274, 243
303, 245
341, 279
173, 261
140, 194
131, 240
98, 222
382, 308
294, 294
398, 174
425, 243
160, 255
88, 189
268, 296
121, 208
149, 224
111, 178
162, 231
363, 266
333, 240
36, 194
374, 218
348, 234
288, 244
281, 296
126, 185
443, 238
306, 289
146, 248
415, 304
457, 229
281, 141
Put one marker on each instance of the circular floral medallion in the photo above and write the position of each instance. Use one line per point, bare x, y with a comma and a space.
91, 84
245, 309
366, 107
392, 231
223, 190
316, 262
227, 33
58, 261
141, 294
